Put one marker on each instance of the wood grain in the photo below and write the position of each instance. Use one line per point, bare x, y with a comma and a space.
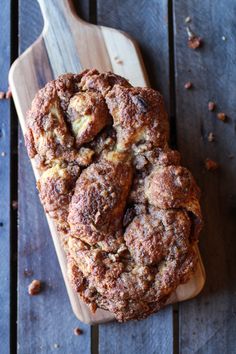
5, 202
46, 58
207, 324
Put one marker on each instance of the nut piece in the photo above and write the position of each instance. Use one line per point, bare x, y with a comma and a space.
188, 85
211, 165
221, 116
34, 287
194, 42
211, 106
78, 331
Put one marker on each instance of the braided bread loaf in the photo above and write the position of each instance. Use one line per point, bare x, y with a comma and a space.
128, 213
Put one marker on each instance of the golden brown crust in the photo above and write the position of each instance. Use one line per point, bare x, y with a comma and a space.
88, 115
96, 209
128, 213
138, 115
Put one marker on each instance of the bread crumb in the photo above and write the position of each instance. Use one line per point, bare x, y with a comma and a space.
34, 287
194, 42
56, 345
2, 95
211, 106
211, 165
188, 85
221, 116
14, 204
78, 331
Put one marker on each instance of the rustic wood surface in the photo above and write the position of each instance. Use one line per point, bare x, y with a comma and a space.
203, 325
208, 323
5, 202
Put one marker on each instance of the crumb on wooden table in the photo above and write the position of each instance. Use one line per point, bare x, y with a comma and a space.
194, 42
78, 331
188, 85
211, 165
211, 106
14, 204
35, 287
221, 116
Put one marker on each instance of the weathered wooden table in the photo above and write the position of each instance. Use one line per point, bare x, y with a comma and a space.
207, 324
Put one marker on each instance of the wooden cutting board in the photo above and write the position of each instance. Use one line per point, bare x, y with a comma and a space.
68, 44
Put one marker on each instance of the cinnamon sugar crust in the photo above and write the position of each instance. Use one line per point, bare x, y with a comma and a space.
129, 212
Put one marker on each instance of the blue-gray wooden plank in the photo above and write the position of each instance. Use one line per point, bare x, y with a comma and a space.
208, 323
46, 321
147, 22
5, 151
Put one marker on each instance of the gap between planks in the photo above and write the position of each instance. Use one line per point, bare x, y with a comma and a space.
13, 186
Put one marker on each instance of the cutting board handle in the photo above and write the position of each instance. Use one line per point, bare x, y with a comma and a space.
57, 12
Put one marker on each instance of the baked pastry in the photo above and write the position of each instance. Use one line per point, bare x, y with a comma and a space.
128, 213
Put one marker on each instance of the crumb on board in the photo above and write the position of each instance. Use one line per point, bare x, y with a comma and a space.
223, 38
211, 137
35, 287
211, 165
211, 106
78, 331
221, 116
188, 85
3, 153
2, 95
56, 345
